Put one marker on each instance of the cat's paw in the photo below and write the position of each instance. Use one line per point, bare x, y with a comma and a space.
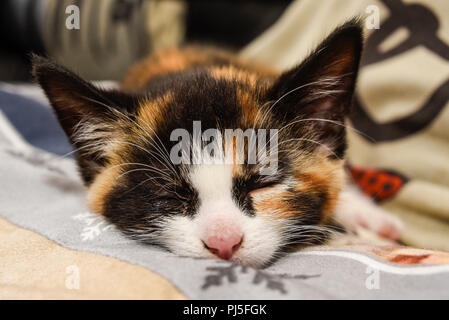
381, 222
355, 210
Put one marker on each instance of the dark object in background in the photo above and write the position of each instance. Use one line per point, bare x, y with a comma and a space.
18, 35
224, 23
231, 24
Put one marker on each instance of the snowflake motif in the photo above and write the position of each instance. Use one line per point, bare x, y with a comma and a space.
230, 273
95, 225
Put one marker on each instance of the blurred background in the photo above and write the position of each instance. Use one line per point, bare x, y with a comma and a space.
398, 130
398, 155
113, 34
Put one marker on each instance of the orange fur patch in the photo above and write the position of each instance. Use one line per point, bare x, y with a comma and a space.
151, 113
250, 110
102, 185
160, 63
325, 177
272, 206
231, 73
171, 60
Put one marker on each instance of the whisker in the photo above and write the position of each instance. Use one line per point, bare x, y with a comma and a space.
330, 121
294, 90
312, 141
115, 110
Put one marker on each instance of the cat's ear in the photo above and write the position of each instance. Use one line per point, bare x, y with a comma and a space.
87, 114
321, 88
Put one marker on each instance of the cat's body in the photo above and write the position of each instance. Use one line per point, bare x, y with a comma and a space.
214, 205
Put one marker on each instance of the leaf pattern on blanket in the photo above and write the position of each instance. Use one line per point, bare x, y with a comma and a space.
95, 225
229, 273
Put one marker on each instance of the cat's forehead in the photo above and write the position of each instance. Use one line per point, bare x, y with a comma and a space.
218, 96
224, 98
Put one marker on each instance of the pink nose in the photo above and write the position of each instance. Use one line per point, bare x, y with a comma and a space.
224, 245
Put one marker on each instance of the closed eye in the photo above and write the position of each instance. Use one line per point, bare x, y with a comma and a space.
268, 184
264, 186
244, 188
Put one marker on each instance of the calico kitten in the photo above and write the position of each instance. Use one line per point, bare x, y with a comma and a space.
219, 209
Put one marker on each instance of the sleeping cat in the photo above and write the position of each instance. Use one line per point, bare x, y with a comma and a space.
208, 207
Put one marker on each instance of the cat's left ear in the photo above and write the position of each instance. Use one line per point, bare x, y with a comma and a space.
321, 88
89, 115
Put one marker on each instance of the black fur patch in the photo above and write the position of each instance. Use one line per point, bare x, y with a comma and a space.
319, 88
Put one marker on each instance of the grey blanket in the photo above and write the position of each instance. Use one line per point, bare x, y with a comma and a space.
42, 192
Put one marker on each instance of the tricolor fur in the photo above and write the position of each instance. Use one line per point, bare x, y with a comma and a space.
123, 142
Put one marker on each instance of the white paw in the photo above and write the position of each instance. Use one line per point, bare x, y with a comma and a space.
355, 210
381, 222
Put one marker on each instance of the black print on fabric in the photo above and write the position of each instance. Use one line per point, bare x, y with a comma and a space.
423, 26
219, 275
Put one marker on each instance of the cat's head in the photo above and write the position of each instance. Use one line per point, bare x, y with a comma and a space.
129, 147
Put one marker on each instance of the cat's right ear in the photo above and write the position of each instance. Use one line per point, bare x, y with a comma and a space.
87, 113
317, 94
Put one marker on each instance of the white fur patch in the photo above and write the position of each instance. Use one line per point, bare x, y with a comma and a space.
356, 210
183, 235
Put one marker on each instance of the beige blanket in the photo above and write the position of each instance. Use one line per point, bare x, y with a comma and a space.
33, 267
391, 88
402, 99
